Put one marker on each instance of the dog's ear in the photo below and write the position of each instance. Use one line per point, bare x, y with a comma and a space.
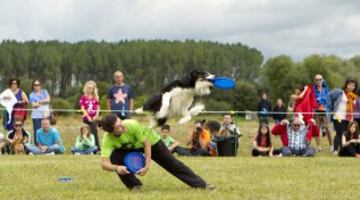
192, 77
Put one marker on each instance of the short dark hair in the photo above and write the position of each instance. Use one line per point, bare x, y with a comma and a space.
107, 123
14, 79
165, 127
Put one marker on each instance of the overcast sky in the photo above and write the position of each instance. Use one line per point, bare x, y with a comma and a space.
296, 28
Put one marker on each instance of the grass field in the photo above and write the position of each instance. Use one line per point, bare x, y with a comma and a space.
323, 177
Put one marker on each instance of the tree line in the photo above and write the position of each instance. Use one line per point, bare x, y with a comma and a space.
149, 65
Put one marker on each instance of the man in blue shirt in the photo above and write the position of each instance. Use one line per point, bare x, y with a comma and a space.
321, 93
48, 140
120, 97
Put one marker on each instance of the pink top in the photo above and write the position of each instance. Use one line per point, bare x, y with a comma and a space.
91, 105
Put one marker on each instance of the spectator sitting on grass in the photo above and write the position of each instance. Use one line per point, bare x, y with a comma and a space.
262, 145
200, 140
17, 138
214, 129
351, 141
199, 143
85, 142
169, 141
48, 140
296, 137
228, 127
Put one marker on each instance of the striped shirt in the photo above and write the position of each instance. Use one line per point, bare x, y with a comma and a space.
297, 139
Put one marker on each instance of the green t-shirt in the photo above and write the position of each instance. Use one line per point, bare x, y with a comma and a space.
84, 144
133, 138
168, 141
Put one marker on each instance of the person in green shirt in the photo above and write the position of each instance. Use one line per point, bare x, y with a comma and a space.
85, 142
169, 141
123, 137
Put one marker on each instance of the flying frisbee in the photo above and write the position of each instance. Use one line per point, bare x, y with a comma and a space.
134, 161
223, 82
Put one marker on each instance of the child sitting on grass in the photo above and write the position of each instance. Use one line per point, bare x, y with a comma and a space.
85, 142
169, 141
262, 145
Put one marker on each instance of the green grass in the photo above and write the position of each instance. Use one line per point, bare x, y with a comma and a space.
323, 177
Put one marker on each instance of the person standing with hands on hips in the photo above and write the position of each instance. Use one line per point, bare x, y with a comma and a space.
123, 137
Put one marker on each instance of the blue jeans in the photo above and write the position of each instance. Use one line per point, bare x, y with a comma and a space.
36, 125
52, 148
307, 152
83, 152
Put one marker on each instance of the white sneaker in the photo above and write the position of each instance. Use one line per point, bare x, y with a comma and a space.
50, 154
318, 148
331, 148
31, 153
77, 154
336, 153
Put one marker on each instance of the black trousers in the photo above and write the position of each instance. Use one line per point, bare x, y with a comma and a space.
350, 150
182, 151
340, 128
256, 152
162, 156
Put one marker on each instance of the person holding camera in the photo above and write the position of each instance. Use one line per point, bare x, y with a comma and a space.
199, 143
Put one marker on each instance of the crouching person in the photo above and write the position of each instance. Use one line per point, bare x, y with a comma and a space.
48, 140
129, 135
296, 137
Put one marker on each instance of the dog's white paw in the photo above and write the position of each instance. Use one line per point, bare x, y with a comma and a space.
139, 111
184, 120
197, 109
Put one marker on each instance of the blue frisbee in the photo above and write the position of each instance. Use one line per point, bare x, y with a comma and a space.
223, 83
134, 161
65, 179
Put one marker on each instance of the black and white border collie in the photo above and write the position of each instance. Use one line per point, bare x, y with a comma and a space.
177, 98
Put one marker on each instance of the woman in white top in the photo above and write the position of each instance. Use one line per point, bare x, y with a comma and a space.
342, 103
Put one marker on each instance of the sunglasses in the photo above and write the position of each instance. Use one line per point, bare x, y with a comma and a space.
18, 125
36, 84
318, 80
296, 125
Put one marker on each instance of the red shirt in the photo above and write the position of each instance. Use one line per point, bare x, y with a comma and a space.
263, 141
